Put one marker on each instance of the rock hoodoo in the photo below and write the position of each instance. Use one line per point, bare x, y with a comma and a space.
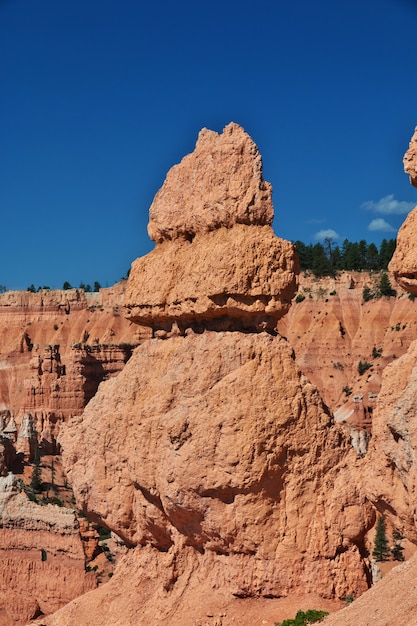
210, 454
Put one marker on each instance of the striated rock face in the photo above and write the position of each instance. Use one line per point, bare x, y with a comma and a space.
40, 548
210, 454
219, 264
333, 329
55, 349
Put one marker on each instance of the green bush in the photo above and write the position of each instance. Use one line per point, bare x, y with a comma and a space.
384, 286
362, 367
300, 297
367, 294
304, 618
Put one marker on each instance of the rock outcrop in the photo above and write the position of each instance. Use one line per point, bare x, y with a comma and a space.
392, 481
219, 264
55, 348
390, 473
42, 563
410, 160
210, 454
333, 329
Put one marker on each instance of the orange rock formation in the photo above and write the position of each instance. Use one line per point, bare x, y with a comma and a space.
210, 454
41, 557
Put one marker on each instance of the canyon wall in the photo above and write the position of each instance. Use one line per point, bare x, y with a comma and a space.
332, 329
55, 349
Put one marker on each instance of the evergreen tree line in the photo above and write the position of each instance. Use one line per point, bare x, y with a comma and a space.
327, 258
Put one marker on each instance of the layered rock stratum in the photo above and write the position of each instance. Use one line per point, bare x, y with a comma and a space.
42, 562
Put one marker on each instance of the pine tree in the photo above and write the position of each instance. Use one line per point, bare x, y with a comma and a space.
36, 481
384, 286
397, 549
381, 550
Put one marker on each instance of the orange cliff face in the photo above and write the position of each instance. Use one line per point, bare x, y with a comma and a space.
210, 454
390, 476
55, 349
333, 329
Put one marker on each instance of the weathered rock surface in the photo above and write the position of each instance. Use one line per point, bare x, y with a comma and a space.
217, 186
222, 417
390, 469
404, 262
333, 329
55, 349
219, 264
42, 563
410, 160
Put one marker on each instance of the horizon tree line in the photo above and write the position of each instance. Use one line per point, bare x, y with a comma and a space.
327, 258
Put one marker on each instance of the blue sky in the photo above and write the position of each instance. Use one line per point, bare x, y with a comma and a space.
99, 98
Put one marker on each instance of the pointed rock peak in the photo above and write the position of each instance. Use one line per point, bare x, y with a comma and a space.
220, 184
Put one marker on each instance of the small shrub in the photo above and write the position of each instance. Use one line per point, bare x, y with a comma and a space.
398, 327
347, 390
304, 618
333, 293
104, 533
363, 366
44, 555
56, 326
300, 297
349, 598
367, 294
412, 296
376, 353
338, 366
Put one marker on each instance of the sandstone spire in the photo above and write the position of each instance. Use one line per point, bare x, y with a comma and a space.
217, 263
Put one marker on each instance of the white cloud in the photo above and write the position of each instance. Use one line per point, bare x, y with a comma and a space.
388, 205
381, 225
328, 233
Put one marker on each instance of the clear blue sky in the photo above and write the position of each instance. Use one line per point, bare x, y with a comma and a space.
99, 98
